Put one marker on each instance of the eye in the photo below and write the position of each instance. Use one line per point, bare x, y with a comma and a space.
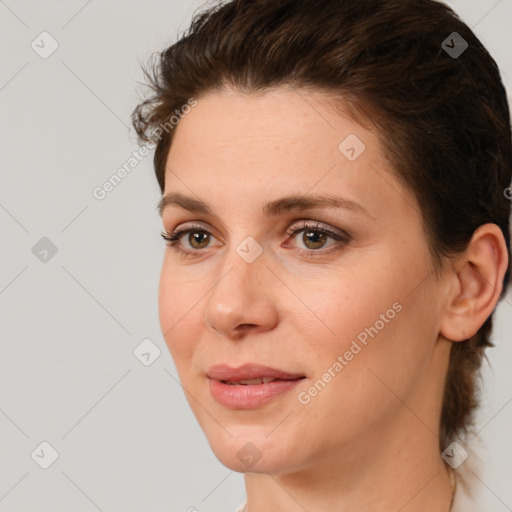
315, 237
198, 238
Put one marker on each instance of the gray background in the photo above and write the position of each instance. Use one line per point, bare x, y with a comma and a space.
125, 437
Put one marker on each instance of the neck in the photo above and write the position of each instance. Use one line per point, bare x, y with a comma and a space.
386, 473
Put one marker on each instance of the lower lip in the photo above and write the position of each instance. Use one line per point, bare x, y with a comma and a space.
250, 396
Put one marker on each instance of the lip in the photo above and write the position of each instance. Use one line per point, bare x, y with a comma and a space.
249, 371
250, 396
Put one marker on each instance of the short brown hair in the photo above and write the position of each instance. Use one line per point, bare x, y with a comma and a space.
443, 119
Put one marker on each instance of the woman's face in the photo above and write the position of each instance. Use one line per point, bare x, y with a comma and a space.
340, 295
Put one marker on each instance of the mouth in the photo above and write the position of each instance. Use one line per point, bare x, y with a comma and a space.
250, 374
257, 381
249, 386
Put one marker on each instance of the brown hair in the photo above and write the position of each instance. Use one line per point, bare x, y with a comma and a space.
443, 119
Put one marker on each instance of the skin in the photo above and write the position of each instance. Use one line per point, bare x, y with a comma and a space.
369, 440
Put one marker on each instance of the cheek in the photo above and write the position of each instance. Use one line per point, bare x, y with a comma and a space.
179, 311
349, 303
357, 376
374, 319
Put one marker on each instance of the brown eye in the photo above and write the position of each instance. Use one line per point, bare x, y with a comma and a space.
198, 237
314, 239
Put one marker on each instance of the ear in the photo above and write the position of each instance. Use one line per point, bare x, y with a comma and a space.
476, 283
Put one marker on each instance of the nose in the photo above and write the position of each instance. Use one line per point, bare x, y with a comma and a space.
243, 300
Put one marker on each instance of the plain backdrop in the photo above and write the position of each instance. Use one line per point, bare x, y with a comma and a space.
79, 276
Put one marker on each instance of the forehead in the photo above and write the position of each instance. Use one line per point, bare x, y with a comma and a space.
229, 116
283, 131
275, 143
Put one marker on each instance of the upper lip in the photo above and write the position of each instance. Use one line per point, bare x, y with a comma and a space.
249, 371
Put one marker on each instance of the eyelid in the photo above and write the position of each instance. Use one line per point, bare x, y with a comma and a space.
184, 228
304, 223
317, 225
340, 236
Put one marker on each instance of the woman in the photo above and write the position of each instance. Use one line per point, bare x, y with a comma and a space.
334, 178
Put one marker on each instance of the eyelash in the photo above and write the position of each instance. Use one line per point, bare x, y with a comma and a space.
172, 239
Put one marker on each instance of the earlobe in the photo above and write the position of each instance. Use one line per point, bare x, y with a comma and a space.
478, 281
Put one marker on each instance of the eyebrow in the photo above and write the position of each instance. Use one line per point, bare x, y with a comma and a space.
271, 209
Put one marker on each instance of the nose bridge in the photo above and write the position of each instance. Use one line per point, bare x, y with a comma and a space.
242, 292
244, 261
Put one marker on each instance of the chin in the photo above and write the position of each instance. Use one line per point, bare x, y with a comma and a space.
251, 450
